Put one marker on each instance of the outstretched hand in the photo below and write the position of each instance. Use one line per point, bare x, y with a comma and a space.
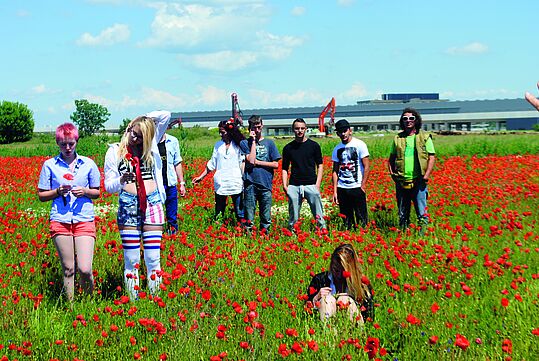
532, 99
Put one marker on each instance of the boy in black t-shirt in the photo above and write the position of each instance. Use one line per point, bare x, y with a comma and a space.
305, 156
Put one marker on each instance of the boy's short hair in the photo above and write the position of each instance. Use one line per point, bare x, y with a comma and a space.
255, 120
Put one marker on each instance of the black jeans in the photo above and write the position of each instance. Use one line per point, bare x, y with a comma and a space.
220, 205
353, 205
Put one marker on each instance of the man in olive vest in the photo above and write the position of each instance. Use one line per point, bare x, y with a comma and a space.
411, 161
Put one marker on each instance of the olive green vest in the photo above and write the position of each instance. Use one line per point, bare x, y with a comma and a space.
421, 155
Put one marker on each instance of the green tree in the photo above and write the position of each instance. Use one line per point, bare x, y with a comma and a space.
89, 117
123, 126
16, 122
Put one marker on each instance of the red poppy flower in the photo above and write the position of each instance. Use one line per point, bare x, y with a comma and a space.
461, 341
346, 274
507, 346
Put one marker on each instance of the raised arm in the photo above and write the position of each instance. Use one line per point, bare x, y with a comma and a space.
532, 99
162, 120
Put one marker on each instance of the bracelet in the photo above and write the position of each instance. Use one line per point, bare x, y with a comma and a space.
58, 190
182, 183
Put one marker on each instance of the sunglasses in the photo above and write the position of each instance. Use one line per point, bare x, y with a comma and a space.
405, 118
135, 135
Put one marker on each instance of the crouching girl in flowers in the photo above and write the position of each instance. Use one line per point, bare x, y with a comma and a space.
134, 169
342, 287
71, 181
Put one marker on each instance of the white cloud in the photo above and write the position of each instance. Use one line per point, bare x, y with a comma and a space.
472, 48
198, 26
39, 89
264, 98
115, 34
298, 11
22, 13
269, 47
353, 94
222, 61
345, 2
220, 36
211, 95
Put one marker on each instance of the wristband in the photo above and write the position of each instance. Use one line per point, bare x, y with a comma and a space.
182, 183
58, 190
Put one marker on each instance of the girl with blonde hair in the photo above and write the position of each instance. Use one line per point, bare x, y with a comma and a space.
133, 168
343, 286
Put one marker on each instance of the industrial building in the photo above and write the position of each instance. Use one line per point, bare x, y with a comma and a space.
378, 115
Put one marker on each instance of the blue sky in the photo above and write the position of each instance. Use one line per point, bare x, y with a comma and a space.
134, 56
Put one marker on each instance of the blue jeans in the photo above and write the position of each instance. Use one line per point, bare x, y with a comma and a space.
253, 193
171, 206
419, 195
296, 194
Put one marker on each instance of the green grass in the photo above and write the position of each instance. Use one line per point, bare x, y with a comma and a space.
198, 143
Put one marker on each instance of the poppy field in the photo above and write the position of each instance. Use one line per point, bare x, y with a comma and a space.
466, 288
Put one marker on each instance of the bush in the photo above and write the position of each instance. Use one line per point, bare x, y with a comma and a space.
536, 127
16, 122
89, 117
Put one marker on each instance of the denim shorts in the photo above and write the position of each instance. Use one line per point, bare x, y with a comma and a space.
129, 214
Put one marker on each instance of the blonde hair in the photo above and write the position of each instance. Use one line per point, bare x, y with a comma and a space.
147, 128
344, 258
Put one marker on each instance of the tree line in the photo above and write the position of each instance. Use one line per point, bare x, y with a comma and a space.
17, 120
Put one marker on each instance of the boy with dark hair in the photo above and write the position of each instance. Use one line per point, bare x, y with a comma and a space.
305, 157
350, 173
262, 158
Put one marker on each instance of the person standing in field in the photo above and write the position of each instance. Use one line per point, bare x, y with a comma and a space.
411, 161
227, 161
262, 158
133, 168
351, 169
342, 287
533, 100
302, 158
169, 150
71, 182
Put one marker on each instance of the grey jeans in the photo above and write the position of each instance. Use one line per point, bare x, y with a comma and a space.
296, 194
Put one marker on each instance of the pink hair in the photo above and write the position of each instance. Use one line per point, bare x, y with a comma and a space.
67, 130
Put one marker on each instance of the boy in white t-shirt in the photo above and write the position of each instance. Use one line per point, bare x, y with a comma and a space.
350, 173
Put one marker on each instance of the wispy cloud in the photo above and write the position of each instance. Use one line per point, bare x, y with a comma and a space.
264, 99
298, 11
118, 33
352, 95
219, 36
22, 13
345, 2
39, 89
471, 48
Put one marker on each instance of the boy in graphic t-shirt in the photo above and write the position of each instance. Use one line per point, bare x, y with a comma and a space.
261, 159
350, 173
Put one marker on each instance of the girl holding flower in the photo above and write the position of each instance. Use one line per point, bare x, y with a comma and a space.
71, 181
133, 168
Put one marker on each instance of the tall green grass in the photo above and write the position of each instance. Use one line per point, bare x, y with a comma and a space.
198, 143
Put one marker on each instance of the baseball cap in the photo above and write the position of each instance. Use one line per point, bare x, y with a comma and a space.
342, 125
